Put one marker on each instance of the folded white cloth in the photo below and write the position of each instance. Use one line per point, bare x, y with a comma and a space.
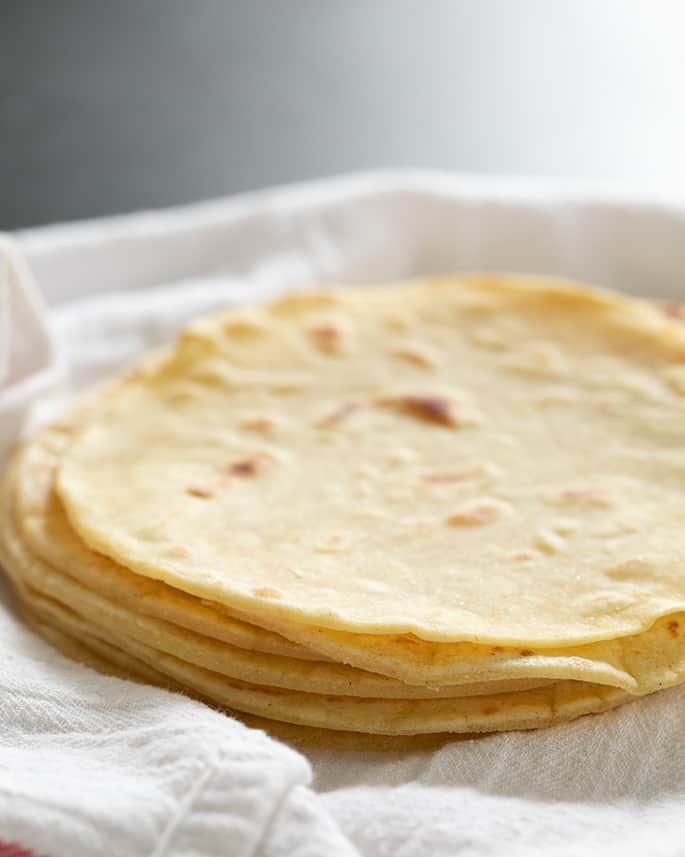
93, 765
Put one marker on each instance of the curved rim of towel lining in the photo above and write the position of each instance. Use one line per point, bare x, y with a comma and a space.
16, 397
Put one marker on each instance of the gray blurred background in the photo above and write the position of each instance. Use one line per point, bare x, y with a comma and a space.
113, 105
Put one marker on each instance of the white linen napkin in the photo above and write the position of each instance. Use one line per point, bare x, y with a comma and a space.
94, 765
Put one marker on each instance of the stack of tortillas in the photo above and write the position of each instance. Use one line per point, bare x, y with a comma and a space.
446, 506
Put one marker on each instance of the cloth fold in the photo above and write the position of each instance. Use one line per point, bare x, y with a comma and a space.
93, 765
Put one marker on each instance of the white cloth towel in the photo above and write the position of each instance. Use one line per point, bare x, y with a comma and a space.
91, 765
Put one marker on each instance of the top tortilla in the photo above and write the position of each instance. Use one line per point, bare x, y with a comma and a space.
487, 459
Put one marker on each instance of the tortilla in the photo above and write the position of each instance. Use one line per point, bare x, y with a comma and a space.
431, 459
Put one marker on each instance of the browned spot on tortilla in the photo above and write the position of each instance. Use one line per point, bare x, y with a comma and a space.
476, 514
672, 628
490, 709
266, 592
339, 414
432, 409
180, 551
525, 556
673, 309
326, 337
204, 491
415, 356
260, 424
526, 653
584, 496
250, 466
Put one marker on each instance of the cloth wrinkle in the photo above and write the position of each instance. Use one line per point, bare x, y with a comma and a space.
161, 849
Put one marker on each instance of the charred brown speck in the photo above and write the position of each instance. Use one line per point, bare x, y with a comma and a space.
432, 409
415, 357
258, 424
205, 492
339, 414
249, 466
672, 309
327, 338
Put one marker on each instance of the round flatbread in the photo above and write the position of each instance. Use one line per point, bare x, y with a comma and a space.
486, 459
